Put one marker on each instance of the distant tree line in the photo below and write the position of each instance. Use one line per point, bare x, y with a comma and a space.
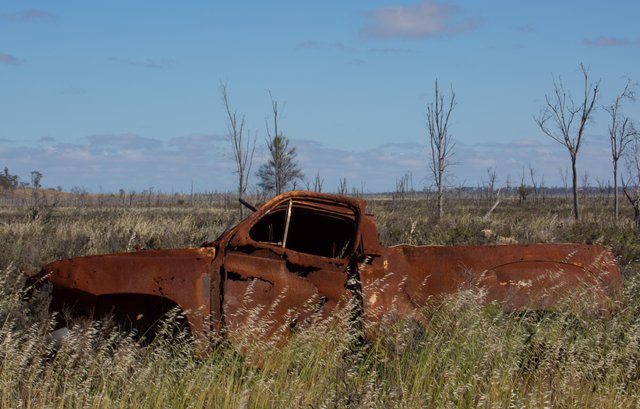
9, 181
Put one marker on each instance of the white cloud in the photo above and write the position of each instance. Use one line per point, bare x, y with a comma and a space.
389, 50
126, 161
122, 141
605, 42
150, 64
424, 20
8, 59
316, 45
131, 161
527, 28
46, 139
197, 141
28, 16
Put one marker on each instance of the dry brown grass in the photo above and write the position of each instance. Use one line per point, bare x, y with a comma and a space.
470, 355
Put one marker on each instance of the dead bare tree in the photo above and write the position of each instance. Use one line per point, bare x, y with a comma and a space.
602, 187
621, 133
243, 148
564, 176
282, 168
507, 186
403, 187
440, 140
342, 187
568, 121
523, 189
631, 187
318, 182
491, 182
585, 184
534, 182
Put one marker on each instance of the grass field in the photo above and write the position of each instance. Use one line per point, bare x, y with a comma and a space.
470, 355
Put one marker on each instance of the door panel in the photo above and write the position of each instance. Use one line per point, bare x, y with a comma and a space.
269, 296
288, 266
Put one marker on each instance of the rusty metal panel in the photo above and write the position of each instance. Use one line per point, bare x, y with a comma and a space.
182, 276
266, 298
406, 278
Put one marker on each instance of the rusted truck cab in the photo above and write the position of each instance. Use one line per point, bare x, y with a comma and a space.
302, 256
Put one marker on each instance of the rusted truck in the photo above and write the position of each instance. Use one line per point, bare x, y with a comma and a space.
304, 255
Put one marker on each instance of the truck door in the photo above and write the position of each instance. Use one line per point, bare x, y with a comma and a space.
288, 267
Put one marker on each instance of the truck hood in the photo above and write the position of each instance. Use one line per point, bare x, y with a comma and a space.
181, 275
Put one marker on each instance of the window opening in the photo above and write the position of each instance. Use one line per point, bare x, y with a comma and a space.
308, 227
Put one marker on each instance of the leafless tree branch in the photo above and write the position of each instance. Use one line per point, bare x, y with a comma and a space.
441, 141
243, 147
621, 133
564, 121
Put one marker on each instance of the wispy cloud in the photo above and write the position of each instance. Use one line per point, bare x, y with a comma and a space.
8, 59
73, 90
126, 161
28, 16
526, 28
342, 47
316, 45
424, 20
603, 42
5, 140
308, 44
393, 50
122, 141
133, 161
150, 64
379, 167
199, 142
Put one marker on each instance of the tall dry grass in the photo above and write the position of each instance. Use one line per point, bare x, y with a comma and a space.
470, 354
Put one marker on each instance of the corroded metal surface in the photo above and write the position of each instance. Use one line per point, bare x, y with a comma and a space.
534, 276
183, 276
303, 255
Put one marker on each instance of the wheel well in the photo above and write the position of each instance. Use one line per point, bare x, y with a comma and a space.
145, 314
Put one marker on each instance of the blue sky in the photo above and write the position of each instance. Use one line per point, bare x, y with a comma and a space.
120, 94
